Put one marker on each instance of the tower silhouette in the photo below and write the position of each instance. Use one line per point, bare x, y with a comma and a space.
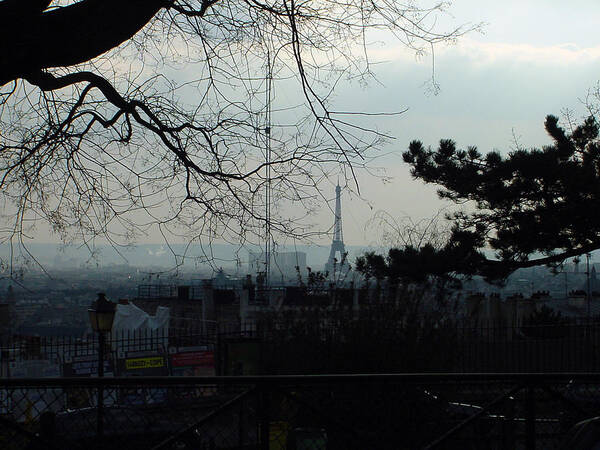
335, 263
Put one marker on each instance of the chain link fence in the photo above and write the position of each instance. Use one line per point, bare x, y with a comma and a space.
299, 412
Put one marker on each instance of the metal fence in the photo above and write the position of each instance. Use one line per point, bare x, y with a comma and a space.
298, 347
571, 346
441, 411
400, 347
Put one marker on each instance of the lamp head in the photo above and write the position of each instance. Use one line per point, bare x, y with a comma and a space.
102, 313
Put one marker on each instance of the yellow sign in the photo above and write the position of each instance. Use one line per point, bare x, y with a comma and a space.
144, 363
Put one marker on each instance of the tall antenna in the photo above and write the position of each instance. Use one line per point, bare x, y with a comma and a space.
268, 247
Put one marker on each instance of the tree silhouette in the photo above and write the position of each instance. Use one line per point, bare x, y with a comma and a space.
118, 115
532, 207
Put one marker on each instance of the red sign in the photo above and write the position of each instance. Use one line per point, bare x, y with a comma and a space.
198, 359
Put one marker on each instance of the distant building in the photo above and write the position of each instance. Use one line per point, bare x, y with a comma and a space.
283, 265
192, 307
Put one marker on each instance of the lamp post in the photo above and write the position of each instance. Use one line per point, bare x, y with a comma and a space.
589, 293
102, 314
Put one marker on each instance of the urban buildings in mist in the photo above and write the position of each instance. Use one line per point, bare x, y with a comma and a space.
193, 258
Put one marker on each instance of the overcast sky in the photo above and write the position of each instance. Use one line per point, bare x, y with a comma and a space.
534, 58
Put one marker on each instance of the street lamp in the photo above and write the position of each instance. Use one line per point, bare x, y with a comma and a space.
102, 314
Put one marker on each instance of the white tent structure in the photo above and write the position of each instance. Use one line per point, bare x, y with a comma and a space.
135, 329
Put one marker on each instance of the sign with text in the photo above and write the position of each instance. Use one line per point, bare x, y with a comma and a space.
85, 366
142, 363
203, 359
198, 361
192, 361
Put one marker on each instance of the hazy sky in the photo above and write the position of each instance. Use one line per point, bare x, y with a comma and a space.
534, 58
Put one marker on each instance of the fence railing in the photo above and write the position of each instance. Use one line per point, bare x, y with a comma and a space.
332, 348
399, 411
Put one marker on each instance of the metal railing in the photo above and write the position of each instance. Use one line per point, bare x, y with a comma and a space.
351, 347
329, 347
389, 411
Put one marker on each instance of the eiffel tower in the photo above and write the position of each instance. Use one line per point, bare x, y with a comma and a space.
336, 263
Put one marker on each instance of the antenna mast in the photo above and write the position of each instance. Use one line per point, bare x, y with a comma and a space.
268, 247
